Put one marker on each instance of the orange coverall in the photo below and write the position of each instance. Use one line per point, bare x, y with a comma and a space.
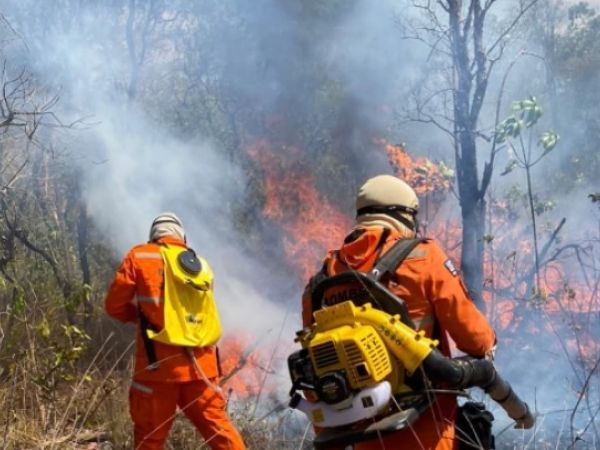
155, 394
434, 294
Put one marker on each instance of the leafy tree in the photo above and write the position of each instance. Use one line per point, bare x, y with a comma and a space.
517, 131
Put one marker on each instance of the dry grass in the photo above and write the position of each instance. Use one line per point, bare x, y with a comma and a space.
82, 403
72, 420
84, 406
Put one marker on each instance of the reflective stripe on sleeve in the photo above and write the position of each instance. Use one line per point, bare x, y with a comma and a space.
147, 255
141, 387
144, 299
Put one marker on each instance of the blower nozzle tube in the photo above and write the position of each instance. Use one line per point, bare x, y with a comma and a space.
467, 372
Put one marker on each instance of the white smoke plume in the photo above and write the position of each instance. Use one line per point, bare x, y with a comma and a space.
135, 165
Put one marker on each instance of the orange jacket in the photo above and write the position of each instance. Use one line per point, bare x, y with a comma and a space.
435, 295
139, 283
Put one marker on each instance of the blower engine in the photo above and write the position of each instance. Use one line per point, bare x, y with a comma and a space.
362, 372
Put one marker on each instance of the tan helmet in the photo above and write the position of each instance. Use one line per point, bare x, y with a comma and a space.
386, 194
167, 224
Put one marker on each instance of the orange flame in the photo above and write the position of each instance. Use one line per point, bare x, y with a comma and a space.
424, 176
240, 365
309, 223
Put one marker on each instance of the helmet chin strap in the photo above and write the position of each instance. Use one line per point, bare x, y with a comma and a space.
396, 212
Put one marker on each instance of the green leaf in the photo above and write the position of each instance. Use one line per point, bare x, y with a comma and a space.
548, 141
528, 110
44, 328
87, 293
446, 171
18, 306
500, 136
509, 127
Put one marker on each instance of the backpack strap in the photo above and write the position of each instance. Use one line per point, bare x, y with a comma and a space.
146, 325
393, 258
315, 281
386, 264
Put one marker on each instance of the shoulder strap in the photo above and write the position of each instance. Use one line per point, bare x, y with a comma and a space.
387, 263
314, 281
391, 260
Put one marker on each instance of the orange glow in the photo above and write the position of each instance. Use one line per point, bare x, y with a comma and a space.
420, 173
449, 234
240, 365
310, 225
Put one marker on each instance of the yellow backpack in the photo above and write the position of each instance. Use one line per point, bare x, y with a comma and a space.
190, 311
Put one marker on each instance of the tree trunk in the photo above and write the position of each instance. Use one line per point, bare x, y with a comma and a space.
82, 243
472, 206
473, 218
470, 84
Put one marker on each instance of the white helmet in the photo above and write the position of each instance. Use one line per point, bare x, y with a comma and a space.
386, 194
166, 224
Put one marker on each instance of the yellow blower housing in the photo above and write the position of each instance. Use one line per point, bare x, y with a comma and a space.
357, 349
358, 342
351, 372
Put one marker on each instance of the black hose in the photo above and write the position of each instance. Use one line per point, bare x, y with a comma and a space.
467, 372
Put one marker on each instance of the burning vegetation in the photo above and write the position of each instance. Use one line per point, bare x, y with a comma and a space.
293, 203
186, 96
519, 312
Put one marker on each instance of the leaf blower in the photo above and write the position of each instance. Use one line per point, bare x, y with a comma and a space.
362, 372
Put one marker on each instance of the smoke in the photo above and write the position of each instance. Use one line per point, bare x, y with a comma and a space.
133, 166
161, 131
381, 68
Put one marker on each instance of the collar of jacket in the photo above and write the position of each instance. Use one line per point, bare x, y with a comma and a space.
360, 253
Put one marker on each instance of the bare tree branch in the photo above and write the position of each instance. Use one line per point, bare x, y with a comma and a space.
511, 26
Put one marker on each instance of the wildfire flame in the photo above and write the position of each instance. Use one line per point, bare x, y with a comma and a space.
424, 176
240, 365
310, 225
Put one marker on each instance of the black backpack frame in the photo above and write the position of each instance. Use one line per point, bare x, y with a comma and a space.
380, 295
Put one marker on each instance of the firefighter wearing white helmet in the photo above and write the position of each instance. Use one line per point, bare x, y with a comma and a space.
164, 288
388, 201
428, 282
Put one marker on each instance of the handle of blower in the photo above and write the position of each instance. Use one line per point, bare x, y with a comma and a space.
466, 372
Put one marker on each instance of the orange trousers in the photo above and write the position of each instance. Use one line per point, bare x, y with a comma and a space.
432, 431
153, 407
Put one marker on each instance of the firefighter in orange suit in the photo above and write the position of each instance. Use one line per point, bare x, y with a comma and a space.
171, 381
427, 281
